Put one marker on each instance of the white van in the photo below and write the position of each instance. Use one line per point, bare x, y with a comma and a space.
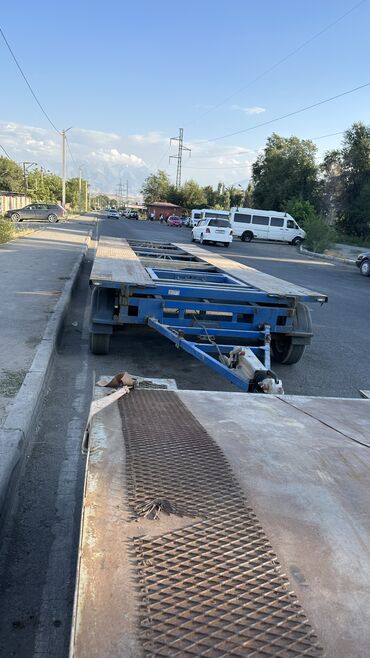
195, 217
209, 213
249, 223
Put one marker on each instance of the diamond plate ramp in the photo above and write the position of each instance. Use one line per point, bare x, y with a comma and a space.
213, 588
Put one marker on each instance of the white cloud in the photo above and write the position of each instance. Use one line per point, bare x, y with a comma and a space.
150, 138
255, 109
108, 157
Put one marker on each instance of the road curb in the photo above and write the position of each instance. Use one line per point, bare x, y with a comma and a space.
22, 417
336, 259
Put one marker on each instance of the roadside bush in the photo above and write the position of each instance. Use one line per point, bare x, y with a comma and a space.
319, 235
6, 230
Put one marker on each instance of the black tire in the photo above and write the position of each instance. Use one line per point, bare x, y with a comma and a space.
247, 236
15, 217
297, 241
99, 343
365, 267
284, 348
226, 244
52, 218
284, 352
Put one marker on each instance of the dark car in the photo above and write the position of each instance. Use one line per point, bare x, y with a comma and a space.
52, 212
363, 262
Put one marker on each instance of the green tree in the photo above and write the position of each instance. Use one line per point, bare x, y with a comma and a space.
236, 196
44, 186
101, 201
73, 192
210, 196
156, 187
331, 184
11, 176
302, 211
354, 214
193, 196
285, 170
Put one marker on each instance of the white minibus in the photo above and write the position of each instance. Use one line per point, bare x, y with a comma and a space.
249, 223
209, 213
195, 217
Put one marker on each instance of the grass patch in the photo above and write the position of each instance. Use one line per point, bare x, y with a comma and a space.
11, 381
7, 231
343, 238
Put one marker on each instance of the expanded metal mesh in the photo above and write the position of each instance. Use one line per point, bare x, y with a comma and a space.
213, 588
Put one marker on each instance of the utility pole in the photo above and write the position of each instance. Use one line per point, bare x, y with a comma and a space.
80, 189
85, 195
26, 166
126, 193
120, 193
64, 166
178, 157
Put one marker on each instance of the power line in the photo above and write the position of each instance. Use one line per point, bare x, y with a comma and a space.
328, 135
278, 63
70, 153
241, 166
284, 116
27, 83
6, 153
237, 166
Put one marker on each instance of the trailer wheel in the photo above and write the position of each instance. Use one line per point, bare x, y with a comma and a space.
99, 343
284, 352
285, 349
247, 236
226, 244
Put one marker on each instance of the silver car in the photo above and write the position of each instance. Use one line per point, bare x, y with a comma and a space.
52, 212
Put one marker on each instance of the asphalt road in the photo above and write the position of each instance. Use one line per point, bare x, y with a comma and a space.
38, 548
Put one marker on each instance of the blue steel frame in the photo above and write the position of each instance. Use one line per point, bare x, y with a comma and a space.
204, 311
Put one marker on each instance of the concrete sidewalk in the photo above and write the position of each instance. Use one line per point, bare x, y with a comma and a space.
37, 274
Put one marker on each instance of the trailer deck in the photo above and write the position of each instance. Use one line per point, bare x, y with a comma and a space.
264, 551
206, 304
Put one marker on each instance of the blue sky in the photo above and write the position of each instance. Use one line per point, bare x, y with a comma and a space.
127, 75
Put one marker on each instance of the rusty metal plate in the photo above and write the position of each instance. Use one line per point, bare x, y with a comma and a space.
214, 588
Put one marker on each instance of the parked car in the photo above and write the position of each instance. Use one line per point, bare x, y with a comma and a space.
52, 212
186, 221
112, 212
363, 263
213, 230
173, 220
132, 214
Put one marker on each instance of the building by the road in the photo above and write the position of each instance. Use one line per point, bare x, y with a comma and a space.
166, 209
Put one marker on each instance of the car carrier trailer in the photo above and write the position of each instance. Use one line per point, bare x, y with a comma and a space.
227, 315
219, 528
